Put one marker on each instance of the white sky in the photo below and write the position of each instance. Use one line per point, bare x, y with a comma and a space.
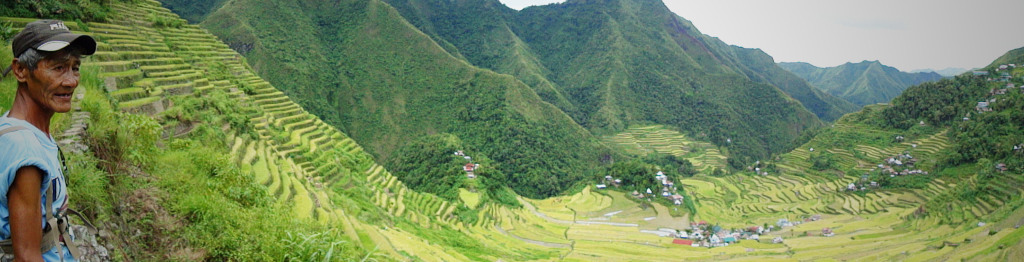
906, 34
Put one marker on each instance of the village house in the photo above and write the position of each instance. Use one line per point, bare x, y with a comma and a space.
459, 153
602, 186
469, 167
777, 240
827, 232
676, 199
682, 242
1001, 167
982, 107
784, 222
715, 240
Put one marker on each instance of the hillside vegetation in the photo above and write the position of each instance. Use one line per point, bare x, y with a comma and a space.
388, 82
178, 150
633, 63
398, 68
863, 83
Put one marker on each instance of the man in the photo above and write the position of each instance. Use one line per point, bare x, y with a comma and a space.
33, 194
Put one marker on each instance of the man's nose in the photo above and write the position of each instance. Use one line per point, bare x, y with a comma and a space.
69, 79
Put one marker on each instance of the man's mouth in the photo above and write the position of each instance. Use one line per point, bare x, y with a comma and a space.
63, 95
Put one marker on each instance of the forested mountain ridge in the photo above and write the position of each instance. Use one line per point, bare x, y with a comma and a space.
863, 83
359, 65
634, 62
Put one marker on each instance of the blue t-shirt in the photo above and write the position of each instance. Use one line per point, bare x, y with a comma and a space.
31, 147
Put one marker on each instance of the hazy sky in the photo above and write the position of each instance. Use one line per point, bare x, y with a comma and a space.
906, 34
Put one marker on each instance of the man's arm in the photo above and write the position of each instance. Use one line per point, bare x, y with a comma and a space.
23, 203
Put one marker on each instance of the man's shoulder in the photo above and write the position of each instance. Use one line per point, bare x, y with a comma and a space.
19, 138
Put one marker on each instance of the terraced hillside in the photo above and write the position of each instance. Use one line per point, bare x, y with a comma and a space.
314, 169
156, 67
640, 141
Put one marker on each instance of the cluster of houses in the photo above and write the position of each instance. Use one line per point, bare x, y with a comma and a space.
904, 161
468, 167
757, 168
609, 180
1004, 76
703, 234
669, 189
898, 165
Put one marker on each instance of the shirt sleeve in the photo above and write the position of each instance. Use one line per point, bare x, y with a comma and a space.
21, 149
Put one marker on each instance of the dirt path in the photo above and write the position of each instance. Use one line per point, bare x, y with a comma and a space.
531, 241
584, 222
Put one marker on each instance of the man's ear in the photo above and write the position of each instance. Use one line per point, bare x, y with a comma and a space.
20, 71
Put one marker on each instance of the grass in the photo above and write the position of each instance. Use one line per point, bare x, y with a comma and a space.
408, 224
643, 140
470, 198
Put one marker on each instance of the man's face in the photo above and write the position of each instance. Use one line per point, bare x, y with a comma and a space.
53, 82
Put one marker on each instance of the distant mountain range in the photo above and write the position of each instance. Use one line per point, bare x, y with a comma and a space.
863, 83
948, 72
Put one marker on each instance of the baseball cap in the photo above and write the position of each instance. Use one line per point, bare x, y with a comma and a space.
49, 36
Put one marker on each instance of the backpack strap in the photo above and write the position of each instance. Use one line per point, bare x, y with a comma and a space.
11, 129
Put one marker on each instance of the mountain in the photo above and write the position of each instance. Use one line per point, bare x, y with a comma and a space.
863, 83
951, 71
634, 62
1015, 56
363, 68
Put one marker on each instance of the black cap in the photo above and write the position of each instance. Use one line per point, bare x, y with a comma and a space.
49, 36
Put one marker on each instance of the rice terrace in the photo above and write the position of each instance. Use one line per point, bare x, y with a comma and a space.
299, 188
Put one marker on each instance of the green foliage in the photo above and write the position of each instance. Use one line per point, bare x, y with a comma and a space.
635, 175
429, 165
7, 32
380, 93
164, 21
68, 10
122, 139
991, 135
936, 103
672, 165
192, 10
320, 246
822, 161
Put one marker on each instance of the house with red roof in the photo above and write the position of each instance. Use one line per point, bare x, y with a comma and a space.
680, 241
469, 170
